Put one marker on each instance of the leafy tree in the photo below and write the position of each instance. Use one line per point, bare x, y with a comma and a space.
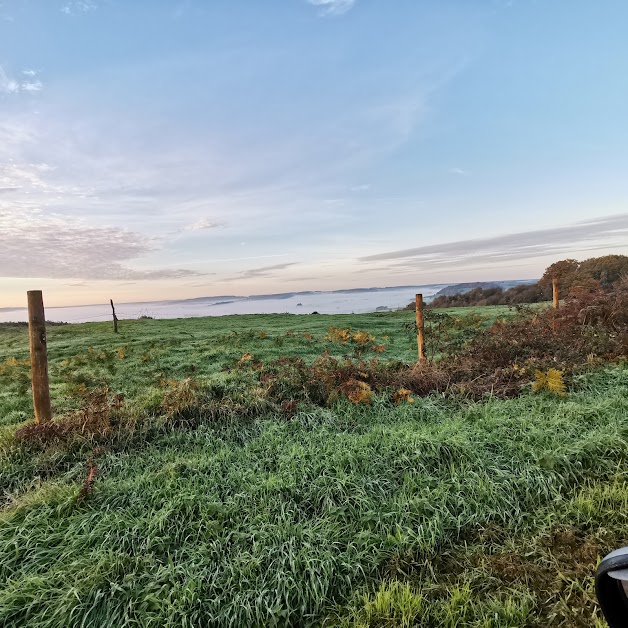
566, 271
608, 270
589, 276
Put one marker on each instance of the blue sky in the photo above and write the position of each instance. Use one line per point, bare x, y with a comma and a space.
181, 148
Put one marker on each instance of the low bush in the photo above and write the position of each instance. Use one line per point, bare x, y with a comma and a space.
98, 416
538, 350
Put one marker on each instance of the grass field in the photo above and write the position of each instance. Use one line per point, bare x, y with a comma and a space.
440, 512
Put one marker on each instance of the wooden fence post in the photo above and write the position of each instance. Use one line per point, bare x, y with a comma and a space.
115, 318
555, 292
420, 327
39, 356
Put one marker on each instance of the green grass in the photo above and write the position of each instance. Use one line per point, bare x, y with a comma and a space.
158, 349
154, 350
437, 513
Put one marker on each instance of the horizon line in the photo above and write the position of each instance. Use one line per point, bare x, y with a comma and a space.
271, 294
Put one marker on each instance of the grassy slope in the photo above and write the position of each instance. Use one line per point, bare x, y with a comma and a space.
158, 349
434, 513
154, 349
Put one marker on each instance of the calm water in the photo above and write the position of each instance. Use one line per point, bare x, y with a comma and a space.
345, 302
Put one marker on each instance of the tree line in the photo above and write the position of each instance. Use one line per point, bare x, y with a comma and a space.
594, 274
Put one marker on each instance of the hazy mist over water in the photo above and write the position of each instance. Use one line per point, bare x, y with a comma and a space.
338, 302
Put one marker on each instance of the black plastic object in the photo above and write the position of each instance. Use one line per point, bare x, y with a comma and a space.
611, 588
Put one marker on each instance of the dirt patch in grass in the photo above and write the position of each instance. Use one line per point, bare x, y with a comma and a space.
559, 570
555, 569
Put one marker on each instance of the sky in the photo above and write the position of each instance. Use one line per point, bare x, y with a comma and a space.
166, 149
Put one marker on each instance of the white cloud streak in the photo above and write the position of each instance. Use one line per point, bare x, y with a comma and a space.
592, 235
204, 224
263, 272
333, 7
8, 85
11, 85
78, 6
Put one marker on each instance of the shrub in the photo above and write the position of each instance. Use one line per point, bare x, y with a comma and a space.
552, 381
93, 422
360, 340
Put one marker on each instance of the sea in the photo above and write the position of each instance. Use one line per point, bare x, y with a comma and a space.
354, 301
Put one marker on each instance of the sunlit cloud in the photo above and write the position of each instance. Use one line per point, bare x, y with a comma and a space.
35, 244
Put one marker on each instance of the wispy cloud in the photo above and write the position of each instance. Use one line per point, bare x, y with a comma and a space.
239, 259
53, 247
8, 85
460, 172
333, 7
180, 9
307, 278
164, 184
264, 271
602, 233
204, 224
12, 85
32, 86
15, 176
78, 6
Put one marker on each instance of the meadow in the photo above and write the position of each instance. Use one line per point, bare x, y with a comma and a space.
205, 472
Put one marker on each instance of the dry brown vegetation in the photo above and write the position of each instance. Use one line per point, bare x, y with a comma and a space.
373, 491
535, 349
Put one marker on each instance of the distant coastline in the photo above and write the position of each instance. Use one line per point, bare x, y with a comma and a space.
345, 301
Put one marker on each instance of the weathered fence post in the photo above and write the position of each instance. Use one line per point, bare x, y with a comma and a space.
115, 318
420, 327
555, 292
39, 356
